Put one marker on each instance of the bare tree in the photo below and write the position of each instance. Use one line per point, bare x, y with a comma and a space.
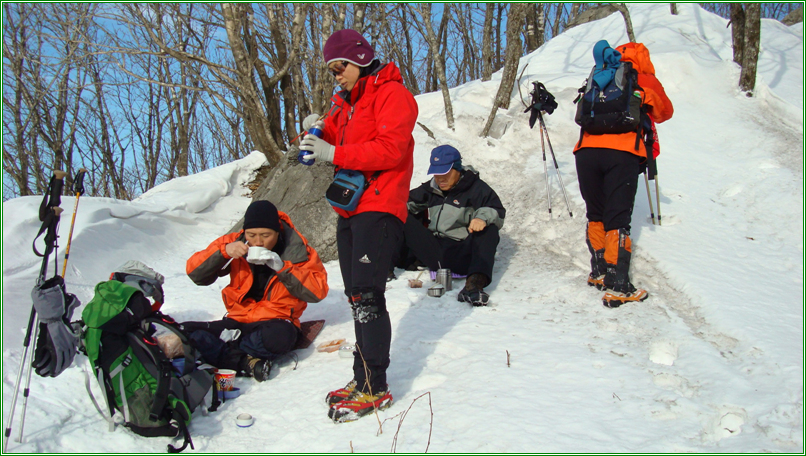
622, 8
487, 43
737, 21
439, 61
530, 26
541, 24
360, 10
560, 10
752, 38
513, 54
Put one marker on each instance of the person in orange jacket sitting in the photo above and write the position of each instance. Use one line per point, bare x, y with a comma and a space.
608, 166
267, 294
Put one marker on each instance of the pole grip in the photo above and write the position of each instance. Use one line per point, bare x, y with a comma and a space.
78, 182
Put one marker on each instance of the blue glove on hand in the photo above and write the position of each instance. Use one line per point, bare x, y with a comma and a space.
319, 149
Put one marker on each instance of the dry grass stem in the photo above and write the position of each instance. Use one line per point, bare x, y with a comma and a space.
369, 387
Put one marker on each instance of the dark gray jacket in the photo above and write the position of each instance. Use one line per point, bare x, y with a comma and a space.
450, 213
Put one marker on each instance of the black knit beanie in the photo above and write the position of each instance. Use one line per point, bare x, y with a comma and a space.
261, 214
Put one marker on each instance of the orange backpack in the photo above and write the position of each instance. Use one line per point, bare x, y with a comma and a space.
638, 55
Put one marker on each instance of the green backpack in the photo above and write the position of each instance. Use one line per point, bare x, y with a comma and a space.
155, 395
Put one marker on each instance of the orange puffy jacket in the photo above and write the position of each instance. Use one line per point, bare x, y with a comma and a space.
654, 98
302, 279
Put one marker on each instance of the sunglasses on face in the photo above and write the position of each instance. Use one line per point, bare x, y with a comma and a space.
337, 68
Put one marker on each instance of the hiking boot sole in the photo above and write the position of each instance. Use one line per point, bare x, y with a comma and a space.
347, 415
613, 300
598, 283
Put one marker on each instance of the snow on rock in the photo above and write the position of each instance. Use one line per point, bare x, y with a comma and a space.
711, 362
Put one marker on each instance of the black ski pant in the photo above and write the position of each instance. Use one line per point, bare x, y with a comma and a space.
367, 243
608, 179
263, 339
474, 254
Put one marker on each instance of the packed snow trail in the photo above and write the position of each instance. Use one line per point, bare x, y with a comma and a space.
711, 362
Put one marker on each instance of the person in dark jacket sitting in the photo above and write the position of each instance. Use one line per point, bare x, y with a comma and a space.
464, 215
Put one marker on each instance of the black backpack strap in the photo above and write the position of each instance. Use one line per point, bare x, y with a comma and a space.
216, 400
163, 388
183, 428
146, 345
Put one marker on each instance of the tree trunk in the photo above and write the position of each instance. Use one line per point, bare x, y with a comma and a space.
439, 60
513, 54
487, 44
752, 38
622, 8
541, 25
358, 20
574, 12
531, 28
737, 21
499, 21
255, 118
555, 29
673, 8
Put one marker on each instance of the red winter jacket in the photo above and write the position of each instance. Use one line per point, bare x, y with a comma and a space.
371, 128
302, 279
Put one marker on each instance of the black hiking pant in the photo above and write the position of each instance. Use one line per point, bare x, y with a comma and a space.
474, 254
608, 179
366, 243
263, 339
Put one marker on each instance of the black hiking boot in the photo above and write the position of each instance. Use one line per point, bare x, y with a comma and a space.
473, 292
257, 368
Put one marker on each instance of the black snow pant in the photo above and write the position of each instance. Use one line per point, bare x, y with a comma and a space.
474, 254
367, 243
263, 339
608, 180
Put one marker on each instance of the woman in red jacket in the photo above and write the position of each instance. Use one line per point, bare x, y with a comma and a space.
266, 294
608, 166
369, 129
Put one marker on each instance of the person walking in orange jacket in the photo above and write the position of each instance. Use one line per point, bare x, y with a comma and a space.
266, 295
608, 167
369, 129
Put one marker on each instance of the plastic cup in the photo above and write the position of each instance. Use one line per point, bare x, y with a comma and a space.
256, 254
225, 379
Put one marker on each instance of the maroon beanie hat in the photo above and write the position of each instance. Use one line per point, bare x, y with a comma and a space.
348, 45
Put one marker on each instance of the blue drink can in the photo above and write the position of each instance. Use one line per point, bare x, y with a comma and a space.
316, 131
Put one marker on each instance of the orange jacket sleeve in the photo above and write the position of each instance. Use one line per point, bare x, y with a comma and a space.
204, 267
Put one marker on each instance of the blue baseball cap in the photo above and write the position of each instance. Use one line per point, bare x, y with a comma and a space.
443, 158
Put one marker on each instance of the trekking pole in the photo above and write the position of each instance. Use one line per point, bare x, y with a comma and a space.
49, 213
649, 195
556, 166
545, 170
657, 196
78, 188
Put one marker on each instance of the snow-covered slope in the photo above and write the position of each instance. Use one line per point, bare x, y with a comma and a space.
711, 362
